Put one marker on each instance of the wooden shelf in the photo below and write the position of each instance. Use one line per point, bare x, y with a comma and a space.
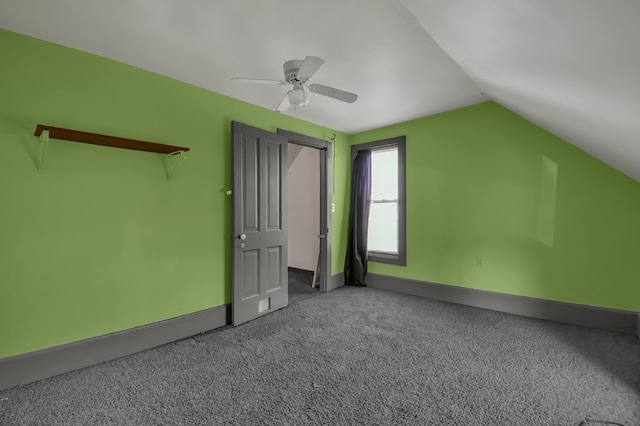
173, 153
116, 142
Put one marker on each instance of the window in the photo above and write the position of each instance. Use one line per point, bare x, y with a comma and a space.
387, 230
384, 201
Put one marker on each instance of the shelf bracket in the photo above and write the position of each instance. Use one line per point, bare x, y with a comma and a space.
178, 155
44, 141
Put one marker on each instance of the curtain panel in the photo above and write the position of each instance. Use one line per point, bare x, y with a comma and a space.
355, 265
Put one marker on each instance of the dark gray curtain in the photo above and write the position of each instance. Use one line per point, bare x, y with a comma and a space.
355, 264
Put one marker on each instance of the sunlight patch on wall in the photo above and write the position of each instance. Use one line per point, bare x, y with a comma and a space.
547, 201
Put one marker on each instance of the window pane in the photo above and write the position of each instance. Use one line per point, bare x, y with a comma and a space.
383, 227
384, 174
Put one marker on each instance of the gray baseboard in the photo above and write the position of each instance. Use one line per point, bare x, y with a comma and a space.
335, 281
588, 316
33, 366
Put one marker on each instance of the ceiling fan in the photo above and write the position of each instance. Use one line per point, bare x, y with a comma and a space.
298, 73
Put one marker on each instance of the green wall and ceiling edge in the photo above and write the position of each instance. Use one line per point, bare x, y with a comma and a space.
497, 203
101, 241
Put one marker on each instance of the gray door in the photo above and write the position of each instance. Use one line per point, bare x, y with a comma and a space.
259, 222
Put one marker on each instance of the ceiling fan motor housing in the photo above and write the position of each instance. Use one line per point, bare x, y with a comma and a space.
291, 69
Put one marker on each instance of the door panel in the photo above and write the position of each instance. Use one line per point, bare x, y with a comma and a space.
274, 260
250, 262
259, 244
251, 190
274, 187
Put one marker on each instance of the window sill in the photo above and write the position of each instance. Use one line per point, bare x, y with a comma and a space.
383, 257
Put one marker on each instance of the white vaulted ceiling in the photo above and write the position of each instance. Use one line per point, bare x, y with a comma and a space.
570, 66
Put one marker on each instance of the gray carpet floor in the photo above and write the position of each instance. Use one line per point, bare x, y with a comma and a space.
354, 356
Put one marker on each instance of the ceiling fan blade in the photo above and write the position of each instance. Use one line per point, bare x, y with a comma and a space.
309, 66
284, 104
331, 92
261, 81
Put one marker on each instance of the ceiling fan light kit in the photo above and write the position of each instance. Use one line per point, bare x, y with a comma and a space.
298, 73
298, 97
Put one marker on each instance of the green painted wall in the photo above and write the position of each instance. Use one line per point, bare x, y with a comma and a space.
101, 241
548, 220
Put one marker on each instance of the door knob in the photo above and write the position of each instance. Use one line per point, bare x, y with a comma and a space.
243, 236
